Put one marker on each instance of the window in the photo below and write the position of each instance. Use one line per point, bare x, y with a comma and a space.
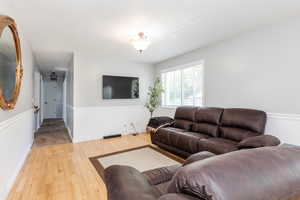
183, 86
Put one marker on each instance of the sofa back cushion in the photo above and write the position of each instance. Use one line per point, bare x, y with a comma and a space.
184, 117
207, 121
238, 124
243, 175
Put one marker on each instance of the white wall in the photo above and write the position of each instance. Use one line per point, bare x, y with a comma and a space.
257, 70
16, 126
95, 117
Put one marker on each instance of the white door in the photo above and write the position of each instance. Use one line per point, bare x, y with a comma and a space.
53, 101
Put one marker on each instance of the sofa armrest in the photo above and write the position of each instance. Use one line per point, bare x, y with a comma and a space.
259, 141
127, 183
155, 122
177, 196
198, 156
164, 125
161, 175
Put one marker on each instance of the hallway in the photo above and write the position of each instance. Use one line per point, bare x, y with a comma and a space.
51, 132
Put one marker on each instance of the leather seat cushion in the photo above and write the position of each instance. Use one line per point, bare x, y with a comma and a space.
187, 141
217, 145
236, 134
208, 129
163, 134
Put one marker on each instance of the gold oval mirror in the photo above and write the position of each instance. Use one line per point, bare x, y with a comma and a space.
11, 71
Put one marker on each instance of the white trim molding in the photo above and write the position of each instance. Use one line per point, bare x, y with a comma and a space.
284, 116
16, 138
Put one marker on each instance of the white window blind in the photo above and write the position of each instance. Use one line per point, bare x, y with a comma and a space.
183, 86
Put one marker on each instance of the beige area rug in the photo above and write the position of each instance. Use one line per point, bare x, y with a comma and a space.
142, 158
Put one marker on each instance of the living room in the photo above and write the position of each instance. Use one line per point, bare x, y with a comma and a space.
224, 91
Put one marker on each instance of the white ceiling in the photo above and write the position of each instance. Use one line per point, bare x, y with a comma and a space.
174, 27
50, 61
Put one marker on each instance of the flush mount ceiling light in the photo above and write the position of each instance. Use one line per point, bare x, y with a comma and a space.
141, 43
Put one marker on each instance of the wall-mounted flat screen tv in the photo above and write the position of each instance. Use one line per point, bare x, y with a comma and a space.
120, 87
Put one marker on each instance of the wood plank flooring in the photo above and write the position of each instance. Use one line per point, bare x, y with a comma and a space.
64, 172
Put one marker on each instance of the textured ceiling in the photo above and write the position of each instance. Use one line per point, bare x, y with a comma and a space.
174, 27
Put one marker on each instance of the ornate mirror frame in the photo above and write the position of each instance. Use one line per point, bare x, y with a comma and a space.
9, 104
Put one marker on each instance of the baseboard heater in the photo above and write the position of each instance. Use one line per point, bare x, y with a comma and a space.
112, 136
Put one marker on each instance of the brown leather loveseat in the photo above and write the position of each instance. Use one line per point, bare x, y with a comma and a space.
268, 173
216, 130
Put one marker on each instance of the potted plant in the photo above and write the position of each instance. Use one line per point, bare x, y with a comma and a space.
154, 94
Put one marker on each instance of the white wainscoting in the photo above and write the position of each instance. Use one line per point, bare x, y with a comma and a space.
16, 137
95, 122
284, 126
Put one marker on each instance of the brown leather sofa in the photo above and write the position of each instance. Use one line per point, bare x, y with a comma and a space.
269, 173
216, 130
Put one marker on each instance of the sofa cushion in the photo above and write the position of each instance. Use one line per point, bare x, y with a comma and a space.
183, 124
172, 149
197, 157
163, 134
259, 141
238, 124
217, 145
187, 141
207, 120
236, 134
184, 117
253, 120
160, 175
185, 113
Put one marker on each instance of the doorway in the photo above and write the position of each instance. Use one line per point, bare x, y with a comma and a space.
52, 130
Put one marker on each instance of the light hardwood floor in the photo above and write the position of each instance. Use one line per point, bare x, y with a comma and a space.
64, 172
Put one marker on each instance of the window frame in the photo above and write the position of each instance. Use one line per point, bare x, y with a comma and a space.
181, 68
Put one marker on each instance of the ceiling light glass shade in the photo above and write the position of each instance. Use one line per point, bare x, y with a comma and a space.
141, 43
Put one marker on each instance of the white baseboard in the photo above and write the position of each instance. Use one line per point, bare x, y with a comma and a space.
16, 137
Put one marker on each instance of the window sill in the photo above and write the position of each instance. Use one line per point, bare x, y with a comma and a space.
168, 107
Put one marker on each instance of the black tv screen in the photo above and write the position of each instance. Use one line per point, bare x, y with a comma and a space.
120, 87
